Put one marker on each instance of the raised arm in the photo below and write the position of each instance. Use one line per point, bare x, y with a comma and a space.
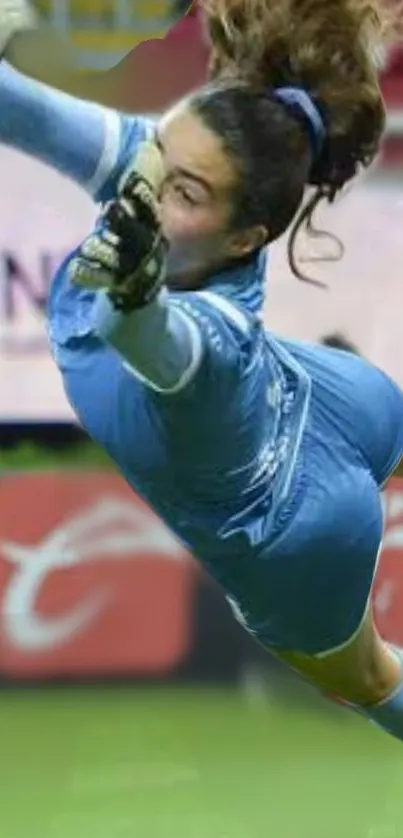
154, 75
86, 142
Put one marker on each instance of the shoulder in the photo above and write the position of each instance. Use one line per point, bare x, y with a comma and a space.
225, 334
214, 312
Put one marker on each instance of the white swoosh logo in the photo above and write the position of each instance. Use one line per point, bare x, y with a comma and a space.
110, 527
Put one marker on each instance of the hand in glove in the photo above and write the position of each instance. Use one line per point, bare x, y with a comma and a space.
126, 253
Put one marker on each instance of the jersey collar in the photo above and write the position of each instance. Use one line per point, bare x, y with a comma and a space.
243, 284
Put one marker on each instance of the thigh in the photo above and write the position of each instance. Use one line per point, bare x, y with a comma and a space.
312, 584
324, 565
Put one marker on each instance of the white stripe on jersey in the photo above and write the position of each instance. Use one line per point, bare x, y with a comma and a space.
228, 309
110, 152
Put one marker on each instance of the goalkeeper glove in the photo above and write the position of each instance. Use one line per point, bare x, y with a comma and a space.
126, 253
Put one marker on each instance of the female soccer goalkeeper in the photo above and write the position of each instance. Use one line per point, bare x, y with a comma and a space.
265, 457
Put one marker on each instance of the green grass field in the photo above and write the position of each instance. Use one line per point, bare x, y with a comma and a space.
117, 762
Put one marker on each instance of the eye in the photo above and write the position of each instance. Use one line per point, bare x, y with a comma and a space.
185, 195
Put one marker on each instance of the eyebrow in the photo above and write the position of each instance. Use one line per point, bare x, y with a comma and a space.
179, 170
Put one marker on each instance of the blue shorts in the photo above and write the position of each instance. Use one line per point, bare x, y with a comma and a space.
321, 563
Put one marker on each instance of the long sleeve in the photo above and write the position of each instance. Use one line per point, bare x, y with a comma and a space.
159, 343
88, 143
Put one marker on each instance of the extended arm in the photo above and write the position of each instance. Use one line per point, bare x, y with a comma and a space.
159, 342
90, 144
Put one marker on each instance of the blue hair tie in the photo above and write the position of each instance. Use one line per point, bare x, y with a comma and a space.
301, 101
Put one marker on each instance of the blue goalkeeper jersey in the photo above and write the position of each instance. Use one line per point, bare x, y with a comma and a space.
214, 458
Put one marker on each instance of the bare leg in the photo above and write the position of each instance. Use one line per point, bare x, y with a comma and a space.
363, 672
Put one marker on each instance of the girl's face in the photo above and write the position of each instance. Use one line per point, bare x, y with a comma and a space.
196, 199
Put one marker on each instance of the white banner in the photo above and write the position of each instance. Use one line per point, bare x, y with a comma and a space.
43, 216
364, 295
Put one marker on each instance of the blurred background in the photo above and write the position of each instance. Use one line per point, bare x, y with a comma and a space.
131, 703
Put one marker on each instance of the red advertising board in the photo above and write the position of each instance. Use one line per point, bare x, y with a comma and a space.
388, 589
90, 580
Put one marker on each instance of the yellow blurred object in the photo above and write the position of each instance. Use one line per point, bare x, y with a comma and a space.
93, 22
91, 8
143, 11
113, 41
103, 8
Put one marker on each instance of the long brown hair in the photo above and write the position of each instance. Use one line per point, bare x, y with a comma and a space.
329, 47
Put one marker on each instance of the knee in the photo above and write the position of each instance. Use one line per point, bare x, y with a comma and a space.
364, 672
373, 681
369, 690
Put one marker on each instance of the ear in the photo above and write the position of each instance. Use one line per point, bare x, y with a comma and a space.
244, 242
